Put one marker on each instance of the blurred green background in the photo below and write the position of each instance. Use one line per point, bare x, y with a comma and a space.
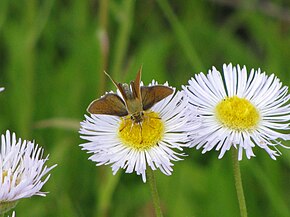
52, 58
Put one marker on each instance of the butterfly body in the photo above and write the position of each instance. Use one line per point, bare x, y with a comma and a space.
135, 99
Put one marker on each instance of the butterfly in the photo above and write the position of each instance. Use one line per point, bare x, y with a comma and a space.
135, 99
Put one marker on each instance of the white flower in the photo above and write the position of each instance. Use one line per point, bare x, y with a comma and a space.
23, 172
1, 89
124, 144
239, 110
13, 214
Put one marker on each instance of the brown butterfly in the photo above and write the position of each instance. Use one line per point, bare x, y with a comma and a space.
136, 99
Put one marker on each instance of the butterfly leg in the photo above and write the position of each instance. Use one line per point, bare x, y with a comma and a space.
140, 125
125, 125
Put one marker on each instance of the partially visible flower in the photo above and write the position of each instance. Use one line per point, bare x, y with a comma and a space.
23, 170
239, 110
156, 142
1, 89
13, 214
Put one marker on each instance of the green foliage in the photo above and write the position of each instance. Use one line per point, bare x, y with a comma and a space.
52, 57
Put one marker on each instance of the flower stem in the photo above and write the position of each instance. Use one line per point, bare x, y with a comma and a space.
126, 14
103, 40
181, 35
238, 183
154, 192
105, 193
6, 206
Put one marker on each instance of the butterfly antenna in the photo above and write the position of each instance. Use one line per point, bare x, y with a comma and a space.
114, 82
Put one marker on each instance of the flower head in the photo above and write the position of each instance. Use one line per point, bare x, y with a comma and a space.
239, 110
13, 214
121, 142
22, 173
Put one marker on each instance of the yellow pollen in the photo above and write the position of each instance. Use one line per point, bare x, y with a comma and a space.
143, 135
237, 113
4, 174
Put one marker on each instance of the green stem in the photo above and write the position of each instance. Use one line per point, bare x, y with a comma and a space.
7, 206
154, 192
238, 183
108, 182
3, 12
126, 17
105, 194
181, 35
103, 41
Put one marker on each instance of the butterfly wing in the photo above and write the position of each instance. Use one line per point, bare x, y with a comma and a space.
110, 104
153, 94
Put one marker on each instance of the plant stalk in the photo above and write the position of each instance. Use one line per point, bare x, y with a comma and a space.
238, 183
154, 192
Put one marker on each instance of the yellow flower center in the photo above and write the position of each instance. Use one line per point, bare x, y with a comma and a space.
4, 174
5, 206
143, 135
237, 113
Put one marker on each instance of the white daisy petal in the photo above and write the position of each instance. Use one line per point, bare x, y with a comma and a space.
264, 94
23, 171
13, 214
107, 147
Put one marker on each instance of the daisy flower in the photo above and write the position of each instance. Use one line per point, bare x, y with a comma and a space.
22, 173
156, 142
13, 214
240, 110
